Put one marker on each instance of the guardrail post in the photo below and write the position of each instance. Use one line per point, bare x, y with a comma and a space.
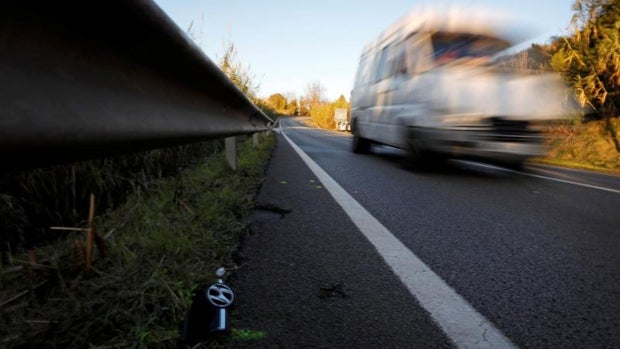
231, 152
255, 140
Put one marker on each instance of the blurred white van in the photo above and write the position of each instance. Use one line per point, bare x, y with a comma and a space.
427, 85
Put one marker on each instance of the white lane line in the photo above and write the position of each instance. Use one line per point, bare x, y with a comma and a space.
570, 169
591, 186
571, 182
456, 317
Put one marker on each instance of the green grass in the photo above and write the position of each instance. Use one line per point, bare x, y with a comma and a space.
32, 200
163, 242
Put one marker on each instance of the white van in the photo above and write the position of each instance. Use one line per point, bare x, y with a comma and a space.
427, 85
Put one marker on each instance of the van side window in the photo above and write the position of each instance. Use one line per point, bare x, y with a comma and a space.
398, 63
391, 62
362, 71
381, 66
367, 70
419, 53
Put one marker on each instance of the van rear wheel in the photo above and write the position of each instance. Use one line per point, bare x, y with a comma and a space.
359, 144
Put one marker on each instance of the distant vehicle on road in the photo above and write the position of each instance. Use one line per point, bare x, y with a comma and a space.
427, 84
341, 117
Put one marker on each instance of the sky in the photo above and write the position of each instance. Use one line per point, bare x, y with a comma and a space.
289, 44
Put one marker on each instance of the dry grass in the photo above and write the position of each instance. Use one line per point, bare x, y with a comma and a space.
163, 242
588, 146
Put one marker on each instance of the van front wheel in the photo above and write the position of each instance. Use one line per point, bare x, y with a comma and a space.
418, 156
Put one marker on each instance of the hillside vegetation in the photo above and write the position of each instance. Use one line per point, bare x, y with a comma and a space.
585, 145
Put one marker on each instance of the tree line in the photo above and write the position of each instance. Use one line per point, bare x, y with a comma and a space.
313, 103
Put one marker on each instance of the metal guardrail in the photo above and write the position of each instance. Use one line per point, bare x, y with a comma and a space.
93, 78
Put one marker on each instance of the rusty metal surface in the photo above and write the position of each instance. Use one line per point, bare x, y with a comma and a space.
87, 79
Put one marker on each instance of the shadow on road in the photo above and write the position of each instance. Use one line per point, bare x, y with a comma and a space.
447, 168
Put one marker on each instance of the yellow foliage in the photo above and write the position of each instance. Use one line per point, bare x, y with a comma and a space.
322, 115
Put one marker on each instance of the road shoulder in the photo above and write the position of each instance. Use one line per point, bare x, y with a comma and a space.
308, 278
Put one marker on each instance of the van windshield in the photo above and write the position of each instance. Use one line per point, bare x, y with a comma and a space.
450, 47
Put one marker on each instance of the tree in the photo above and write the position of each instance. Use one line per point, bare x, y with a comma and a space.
304, 107
589, 59
292, 107
321, 112
315, 94
278, 102
341, 102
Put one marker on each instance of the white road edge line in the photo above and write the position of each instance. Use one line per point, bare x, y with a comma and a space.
571, 182
456, 317
591, 186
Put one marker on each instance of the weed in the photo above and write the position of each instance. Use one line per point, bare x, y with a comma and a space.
166, 239
35, 199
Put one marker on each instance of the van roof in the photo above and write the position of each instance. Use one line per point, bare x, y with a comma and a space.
452, 19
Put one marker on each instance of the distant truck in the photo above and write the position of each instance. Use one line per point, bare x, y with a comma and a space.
341, 117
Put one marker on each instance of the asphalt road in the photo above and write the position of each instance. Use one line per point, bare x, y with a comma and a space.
534, 253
